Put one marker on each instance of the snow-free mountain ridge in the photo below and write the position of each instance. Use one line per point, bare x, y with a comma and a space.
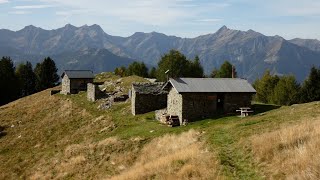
90, 47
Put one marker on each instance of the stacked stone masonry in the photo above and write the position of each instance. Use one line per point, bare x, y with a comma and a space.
195, 106
94, 92
147, 97
175, 104
73, 86
65, 89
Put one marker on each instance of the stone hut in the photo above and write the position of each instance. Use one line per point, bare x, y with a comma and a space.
74, 81
147, 97
197, 98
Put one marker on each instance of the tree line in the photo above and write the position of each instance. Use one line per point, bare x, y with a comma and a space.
23, 80
285, 90
178, 66
273, 89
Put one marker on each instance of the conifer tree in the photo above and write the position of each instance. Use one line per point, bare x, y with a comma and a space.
9, 90
27, 79
136, 68
310, 90
178, 66
286, 91
225, 71
265, 87
196, 70
46, 73
152, 73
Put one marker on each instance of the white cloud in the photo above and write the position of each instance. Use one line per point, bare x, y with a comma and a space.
209, 20
20, 12
293, 7
72, 12
33, 7
148, 12
304, 9
4, 1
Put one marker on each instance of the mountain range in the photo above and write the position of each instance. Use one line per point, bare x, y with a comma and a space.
89, 47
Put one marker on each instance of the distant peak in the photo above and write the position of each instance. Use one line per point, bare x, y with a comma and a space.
279, 37
95, 26
250, 31
223, 29
69, 26
138, 33
157, 33
30, 27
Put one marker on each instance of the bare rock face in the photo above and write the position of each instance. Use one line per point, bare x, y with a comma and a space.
312, 44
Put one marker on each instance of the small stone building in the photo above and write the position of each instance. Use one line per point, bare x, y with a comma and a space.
198, 98
74, 81
147, 97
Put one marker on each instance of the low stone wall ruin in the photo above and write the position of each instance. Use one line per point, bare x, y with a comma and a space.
160, 113
143, 103
93, 92
147, 97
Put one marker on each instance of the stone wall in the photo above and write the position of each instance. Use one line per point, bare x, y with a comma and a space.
143, 103
175, 104
199, 105
233, 101
73, 86
65, 86
93, 92
195, 106
160, 113
77, 85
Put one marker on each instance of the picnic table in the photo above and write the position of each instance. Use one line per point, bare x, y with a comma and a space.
244, 111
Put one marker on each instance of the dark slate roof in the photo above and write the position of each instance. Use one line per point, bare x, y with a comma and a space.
183, 85
78, 74
149, 88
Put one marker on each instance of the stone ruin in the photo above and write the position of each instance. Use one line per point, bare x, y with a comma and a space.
163, 117
94, 92
147, 97
98, 91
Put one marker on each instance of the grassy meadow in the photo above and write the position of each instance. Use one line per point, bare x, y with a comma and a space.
67, 137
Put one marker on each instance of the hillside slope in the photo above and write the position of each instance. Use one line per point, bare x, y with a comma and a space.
43, 136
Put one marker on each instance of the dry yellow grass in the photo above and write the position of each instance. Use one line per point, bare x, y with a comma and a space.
291, 152
95, 160
174, 157
66, 137
51, 137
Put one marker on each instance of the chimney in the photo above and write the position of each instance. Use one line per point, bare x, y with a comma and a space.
233, 76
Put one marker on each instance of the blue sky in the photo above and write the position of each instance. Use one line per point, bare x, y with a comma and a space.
184, 18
